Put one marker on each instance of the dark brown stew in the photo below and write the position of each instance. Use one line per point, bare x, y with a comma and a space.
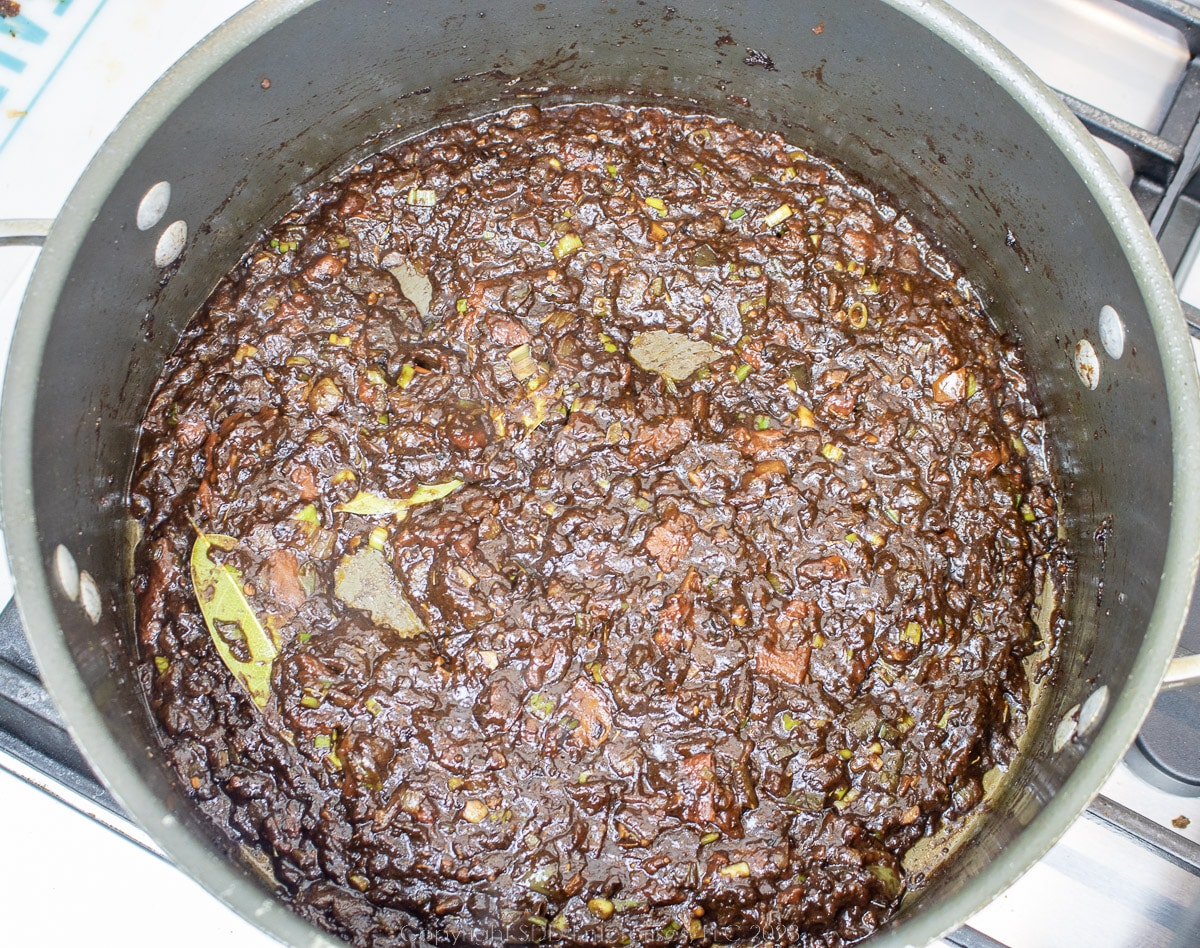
641, 521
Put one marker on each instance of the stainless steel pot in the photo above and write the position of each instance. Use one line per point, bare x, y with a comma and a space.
905, 91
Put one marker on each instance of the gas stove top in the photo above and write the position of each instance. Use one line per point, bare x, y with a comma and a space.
1127, 873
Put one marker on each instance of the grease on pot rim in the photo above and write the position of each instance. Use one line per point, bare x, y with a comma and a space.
604, 525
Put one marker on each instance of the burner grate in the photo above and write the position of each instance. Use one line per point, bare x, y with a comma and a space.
1166, 160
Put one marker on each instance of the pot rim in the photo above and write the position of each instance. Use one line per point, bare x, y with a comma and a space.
1176, 585
215, 872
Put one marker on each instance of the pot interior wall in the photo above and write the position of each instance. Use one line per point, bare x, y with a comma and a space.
855, 80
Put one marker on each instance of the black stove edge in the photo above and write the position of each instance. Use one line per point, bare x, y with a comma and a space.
30, 727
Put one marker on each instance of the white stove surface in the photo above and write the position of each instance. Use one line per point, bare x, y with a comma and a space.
71, 70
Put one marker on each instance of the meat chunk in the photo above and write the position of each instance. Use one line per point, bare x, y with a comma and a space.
677, 618
671, 540
657, 442
785, 649
590, 707
324, 269
697, 786
283, 579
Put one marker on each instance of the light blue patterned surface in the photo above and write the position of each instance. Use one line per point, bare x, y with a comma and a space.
33, 45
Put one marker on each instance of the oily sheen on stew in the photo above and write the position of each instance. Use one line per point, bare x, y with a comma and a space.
641, 520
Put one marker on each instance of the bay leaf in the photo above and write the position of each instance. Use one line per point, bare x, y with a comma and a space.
366, 581
366, 504
671, 354
413, 282
230, 618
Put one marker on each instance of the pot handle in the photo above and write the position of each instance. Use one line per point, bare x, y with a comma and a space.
1184, 670
29, 230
